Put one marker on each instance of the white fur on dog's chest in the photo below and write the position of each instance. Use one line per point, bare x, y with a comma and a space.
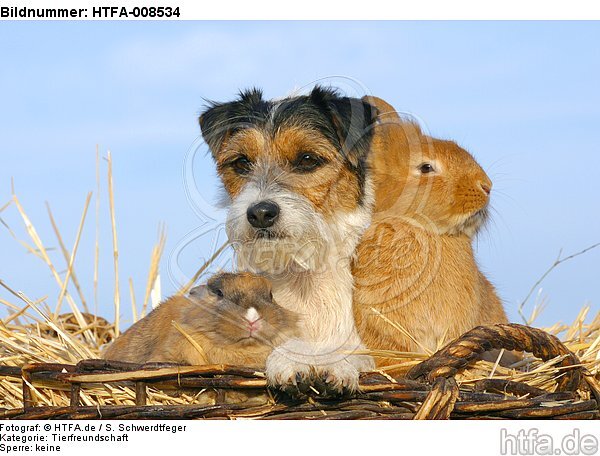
324, 298
322, 303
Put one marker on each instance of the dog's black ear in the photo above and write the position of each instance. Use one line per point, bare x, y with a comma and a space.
220, 120
352, 119
214, 124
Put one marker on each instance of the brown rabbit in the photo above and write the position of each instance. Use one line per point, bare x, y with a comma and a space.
418, 285
233, 319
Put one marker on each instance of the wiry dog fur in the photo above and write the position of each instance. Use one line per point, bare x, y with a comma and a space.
307, 156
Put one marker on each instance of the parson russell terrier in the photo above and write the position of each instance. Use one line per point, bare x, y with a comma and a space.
300, 196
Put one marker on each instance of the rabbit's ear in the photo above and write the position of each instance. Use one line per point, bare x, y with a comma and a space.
385, 111
199, 292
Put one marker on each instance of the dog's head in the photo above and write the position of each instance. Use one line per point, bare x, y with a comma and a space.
295, 173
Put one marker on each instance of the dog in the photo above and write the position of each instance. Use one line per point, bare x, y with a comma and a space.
299, 198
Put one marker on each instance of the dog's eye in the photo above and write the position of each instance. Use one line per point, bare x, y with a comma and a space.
426, 168
306, 162
241, 165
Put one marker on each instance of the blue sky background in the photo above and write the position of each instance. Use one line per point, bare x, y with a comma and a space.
523, 97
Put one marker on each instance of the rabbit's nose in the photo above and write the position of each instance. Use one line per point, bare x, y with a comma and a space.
253, 320
486, 186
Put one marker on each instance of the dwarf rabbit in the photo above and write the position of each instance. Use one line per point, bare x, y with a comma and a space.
418, 285
233, 319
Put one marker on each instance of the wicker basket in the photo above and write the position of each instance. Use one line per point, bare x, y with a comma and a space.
430, 390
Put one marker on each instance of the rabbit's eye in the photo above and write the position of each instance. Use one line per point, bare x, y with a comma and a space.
216, 291
426, 168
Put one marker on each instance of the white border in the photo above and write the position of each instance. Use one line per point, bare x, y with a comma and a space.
350, 9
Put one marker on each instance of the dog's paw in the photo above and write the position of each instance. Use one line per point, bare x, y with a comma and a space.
282, 370
300, 379
340, 377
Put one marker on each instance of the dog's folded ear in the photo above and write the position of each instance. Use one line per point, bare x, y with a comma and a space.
220, 120
353, 120
210, 120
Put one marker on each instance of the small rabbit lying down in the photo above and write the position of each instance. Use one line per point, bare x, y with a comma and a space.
233, 319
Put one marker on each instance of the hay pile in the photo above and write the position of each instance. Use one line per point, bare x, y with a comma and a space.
33, 332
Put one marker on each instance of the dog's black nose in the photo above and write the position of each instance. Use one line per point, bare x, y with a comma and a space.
263, 214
